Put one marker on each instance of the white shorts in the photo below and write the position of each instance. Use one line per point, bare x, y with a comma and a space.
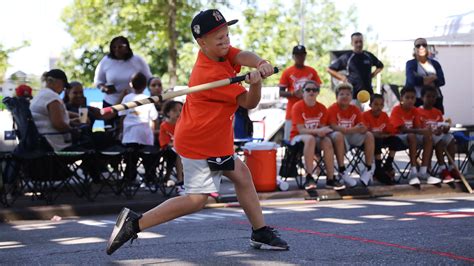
351, 140
444, 138
299, 138
198, 178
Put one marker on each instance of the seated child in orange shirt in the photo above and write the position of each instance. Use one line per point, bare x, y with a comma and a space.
171, 110
406, 124
350, 131
432, 118
309, 125
378, 123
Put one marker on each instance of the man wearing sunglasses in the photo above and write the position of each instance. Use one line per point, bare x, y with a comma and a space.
309, 126
357, 67
424, 71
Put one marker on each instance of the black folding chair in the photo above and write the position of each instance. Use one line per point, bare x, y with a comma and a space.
292, 165
35, 167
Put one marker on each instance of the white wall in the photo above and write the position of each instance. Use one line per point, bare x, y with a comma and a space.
458, 67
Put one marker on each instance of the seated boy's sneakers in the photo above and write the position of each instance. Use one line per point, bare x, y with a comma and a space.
456, 175
389, 171
430, 180
335, 184
383, 177
351, 182
267, 238
309, 183
126, 228
446, 176
414, 181
366, 177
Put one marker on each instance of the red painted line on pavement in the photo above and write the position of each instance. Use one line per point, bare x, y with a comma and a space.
370, 241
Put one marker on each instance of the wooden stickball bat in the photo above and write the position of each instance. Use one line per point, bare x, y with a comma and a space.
463, 178
173, 94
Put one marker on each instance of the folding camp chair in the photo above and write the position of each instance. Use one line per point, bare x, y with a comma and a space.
292, 164
466, 146
35, 167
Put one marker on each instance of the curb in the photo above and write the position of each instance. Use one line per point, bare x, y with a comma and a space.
226, 201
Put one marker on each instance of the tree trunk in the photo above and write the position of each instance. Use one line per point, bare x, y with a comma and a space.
173, 56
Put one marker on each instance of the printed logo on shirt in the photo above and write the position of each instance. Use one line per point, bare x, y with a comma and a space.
433, 124
379, 128
346, 122
408, 123
312, 122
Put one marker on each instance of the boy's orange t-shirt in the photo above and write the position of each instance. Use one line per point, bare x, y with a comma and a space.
293, 79
377, 124
166, 133
400, 117
345, 118
429, 118
204, 128
309, 116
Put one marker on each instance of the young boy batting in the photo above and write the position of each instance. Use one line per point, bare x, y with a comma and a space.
204, 137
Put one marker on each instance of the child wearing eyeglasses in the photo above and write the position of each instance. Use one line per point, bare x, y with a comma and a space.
309, 126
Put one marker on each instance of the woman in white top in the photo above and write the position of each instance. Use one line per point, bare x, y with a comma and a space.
424, 71
49, 112
115, 70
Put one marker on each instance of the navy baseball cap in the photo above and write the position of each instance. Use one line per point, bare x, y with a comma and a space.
208, 21
299, 49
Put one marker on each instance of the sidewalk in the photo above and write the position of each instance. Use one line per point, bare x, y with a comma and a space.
69, 205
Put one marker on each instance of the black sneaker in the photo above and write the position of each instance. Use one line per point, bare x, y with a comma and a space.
126, 228
309, 183
382, 176
267, 238
335, 184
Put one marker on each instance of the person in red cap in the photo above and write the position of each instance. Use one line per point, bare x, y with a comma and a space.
204, 137
24, 91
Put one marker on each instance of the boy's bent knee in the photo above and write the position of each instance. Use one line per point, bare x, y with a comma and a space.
197, 201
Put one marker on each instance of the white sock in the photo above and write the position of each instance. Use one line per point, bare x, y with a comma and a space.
423, 170
413, 170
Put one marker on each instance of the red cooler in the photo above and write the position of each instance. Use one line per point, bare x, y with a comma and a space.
261, 160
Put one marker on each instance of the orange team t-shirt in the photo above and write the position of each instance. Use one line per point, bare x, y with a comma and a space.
400, 117
429, 118
204, 128
166, 133
293, 79
309, 116
377, 124
345, 118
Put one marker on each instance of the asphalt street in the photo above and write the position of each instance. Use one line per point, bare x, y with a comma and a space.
406, 230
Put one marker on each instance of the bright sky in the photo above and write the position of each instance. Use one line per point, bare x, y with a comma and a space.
38, 22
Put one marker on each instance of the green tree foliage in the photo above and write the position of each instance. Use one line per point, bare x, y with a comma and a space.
93, 23
272, 31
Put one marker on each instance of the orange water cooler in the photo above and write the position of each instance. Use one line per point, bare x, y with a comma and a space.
261, 160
